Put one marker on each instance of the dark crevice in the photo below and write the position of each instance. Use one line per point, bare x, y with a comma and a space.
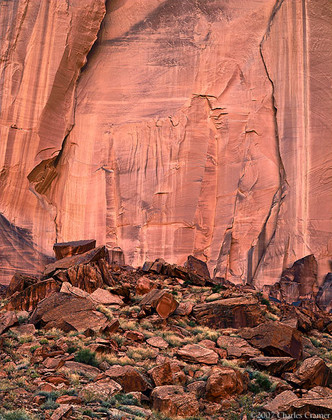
279, 195
97, 42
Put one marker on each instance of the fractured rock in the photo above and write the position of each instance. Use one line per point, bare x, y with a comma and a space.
275, 339
237, 347
28, 299
160, 300
128, 377
85, 258
195, 353
68, 249
172, 400
224, 382
19, 282
67, 312
274, 365
234, 312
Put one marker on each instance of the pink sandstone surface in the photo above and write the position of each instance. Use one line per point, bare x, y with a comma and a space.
167, 128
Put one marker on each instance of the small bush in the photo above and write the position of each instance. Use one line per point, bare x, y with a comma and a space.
260, 382
140, 353
49, 395
49, 405
34, 348
218, 288
126, 399
15, 415
86, 356
315, 342
72, 349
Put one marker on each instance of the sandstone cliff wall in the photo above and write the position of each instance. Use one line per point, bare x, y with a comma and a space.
167, 128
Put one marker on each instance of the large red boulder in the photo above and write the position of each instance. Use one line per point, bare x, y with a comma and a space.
234, 312
68, 249
275, 339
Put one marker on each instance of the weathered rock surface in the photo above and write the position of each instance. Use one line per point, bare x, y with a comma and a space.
28, 299
229, 313
237, 347
19, 282
209, 148
128, 377
223, 383
160, 300
312, 372
274, 365
68, 312
104, 297
173, 401
162, 374
195, 353
275, 339
102, 389
324, 295
68, 249
7, 319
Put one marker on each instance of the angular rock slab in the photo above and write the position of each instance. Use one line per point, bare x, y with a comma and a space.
274, 365
67, 312
161, 300
86, 258
235, 312
173, 401
28, 299
223, 383
104, 297
195, 353
275, 339
128, 377
237, 347
7, 319
68, 249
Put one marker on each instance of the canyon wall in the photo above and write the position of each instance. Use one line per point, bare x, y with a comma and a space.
167, 128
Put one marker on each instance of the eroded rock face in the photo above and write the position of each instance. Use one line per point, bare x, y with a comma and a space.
193, 129
229, 313
275, 339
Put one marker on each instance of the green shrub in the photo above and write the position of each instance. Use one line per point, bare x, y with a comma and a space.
315, 342
126, 399
15, 415
49, 405
53, 395
72, 349
259, 383
86, 356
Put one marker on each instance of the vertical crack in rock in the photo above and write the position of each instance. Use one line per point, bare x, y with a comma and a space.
263, 241
42, 176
